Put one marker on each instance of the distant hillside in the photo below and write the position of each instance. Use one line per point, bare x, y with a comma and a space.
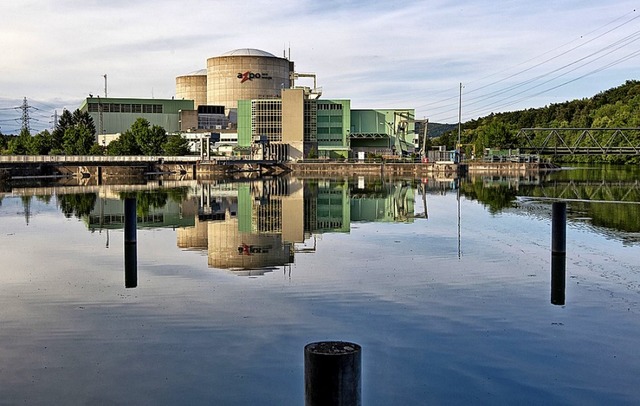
435, 129
616, 107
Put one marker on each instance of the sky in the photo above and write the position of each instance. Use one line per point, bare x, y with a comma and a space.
447, 59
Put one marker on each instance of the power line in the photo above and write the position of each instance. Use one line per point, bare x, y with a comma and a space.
449, 105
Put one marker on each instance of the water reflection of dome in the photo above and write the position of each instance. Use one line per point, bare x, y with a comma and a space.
235, 249
252, 272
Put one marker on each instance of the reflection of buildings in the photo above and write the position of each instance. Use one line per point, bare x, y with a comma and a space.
108, 213
251, 228
390, 202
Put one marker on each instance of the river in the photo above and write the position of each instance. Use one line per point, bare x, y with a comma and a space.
445, 284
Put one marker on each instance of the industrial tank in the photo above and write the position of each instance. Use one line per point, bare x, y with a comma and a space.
193, 86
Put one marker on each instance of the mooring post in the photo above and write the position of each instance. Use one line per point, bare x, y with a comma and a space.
558, 252
130, 244
332, 373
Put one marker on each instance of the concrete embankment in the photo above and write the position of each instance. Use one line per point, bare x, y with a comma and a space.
365, 168
507, 168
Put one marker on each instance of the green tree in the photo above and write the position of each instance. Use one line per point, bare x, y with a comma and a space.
176, 145
20, 145
77, 124
3, 142
57, 136
41, 143
125, 145
150, 139
78, 140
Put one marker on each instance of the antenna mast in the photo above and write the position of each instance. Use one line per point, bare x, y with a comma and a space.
105, 86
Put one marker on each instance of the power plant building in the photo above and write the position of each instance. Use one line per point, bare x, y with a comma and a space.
254, 96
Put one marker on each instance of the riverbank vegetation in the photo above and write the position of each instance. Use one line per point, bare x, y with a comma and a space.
618, 107
75, 134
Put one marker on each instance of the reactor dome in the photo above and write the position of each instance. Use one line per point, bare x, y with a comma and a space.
246, 74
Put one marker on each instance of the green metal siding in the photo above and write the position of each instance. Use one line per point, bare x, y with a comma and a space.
333, 123
118, 114
244, 123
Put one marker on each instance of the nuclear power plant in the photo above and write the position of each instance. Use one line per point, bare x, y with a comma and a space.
247, 97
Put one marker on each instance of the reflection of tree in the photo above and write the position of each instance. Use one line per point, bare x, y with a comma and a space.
178, 195
78, 205
44, 198
495, 198
622, 217
146, 200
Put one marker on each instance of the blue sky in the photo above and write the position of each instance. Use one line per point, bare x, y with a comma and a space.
380, 54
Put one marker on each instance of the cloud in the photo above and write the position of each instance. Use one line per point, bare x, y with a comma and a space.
376, 53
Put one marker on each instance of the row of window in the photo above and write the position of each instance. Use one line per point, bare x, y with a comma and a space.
326, 106
125, 108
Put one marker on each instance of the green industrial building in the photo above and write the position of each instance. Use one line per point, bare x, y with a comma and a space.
116, 115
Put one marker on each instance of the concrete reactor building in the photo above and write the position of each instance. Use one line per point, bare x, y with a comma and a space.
241, 74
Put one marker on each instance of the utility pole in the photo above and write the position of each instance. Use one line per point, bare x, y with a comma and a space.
459, 115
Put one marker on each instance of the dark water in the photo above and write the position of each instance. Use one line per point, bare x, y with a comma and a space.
445, 285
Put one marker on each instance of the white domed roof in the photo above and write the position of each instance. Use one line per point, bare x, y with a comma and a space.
248, 52
199, 72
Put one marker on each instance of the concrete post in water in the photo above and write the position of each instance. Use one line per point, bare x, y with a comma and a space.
558, 252
130, 244
332, 373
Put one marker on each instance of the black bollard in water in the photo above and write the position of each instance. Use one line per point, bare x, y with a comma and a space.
332, 373
558, 252
559, 228
130, 244
558, 265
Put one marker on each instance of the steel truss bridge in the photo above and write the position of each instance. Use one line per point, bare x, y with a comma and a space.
580, 141
594, 191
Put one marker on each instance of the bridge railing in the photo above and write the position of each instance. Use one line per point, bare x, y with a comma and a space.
73, 159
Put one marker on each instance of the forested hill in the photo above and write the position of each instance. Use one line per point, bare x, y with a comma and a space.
616, 107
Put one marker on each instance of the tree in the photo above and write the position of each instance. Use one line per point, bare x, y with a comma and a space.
150, 139
81, 126
176, 145
21, 144
78, 140
57, 136
125, 145
3, 142
41, 143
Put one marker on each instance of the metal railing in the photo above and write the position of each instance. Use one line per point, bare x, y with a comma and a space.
62, 159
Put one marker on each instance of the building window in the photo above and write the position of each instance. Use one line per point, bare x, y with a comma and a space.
136, 108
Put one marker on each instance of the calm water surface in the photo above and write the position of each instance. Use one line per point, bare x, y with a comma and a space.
445, 285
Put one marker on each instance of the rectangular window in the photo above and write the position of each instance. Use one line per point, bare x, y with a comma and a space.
126, 108
115, 108
147, 108
157, 108
93, 108
136, 108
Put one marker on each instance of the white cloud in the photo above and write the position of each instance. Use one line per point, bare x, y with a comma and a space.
378, 54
